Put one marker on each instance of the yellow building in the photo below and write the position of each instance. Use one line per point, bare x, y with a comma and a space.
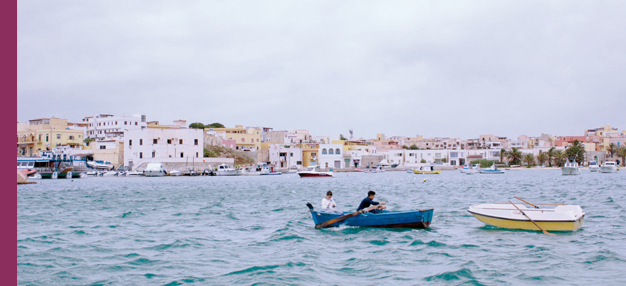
309, 153
247, 139
45, 134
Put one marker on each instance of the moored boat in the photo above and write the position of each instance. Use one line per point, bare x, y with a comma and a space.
593, 166
570, 168
507, 215
470, 169
388, 219
226, 170
154, 170
491, 170
608, 167
314, 172
426, 170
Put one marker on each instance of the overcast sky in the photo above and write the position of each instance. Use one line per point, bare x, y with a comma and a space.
433, 68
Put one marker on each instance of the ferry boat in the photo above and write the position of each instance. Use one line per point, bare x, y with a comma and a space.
570, 168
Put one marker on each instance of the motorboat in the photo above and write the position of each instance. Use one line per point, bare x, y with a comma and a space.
410, 171
100, 165
555, 217
257, 170
491, 170
608, 167
175, 173
226, 170
426, 170
108, 173
594, 167
313, 172
570, 168
384, 218
154, 170
377, 169
470, 169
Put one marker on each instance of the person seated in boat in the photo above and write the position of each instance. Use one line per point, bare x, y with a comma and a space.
328, 204
367, 202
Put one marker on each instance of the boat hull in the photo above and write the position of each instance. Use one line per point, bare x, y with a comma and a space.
570, 171
491, 172
315, 175
608, 170
427, 172
154, 173
385, 219
528, 225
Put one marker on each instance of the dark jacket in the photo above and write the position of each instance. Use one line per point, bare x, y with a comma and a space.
366, 203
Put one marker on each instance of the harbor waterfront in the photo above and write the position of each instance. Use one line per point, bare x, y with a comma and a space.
227, 230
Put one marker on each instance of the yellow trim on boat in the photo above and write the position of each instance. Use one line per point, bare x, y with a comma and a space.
427, 172
528, 225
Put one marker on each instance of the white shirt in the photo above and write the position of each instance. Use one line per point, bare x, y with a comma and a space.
328, 204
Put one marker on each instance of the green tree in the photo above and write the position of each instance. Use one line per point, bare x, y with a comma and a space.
559, 157
576, 152
502, 154
214, 125
529, 159
621, 152
551, 154
514, 156
611, 149
542, 158
88, 140
196, 125
405, 147
341, 137
413, 147
422, 161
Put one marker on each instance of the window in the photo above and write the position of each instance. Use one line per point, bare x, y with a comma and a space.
155, 141
257, 140
58, 136
46, 137
130, 142
324, 152
135, 123
140, 155
125, 122
140, 141
180, 141
454, 154
103, 146
330, 151
313, 154
337, 151
195, 141
153, 154
243, 139
71, 137
196, 154
182, 155
169, 141
291, 154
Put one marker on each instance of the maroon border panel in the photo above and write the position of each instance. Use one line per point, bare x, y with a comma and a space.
8, 209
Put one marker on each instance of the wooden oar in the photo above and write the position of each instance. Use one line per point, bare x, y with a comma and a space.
343, 217
527, 202
545, 232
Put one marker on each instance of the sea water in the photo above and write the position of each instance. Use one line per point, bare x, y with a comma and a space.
257, 230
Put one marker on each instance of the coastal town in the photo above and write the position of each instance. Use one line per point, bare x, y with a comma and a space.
132, 143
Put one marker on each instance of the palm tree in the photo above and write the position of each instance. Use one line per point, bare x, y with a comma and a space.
576, 152
621, 152
502, 154
542, 158
529, 159
551, 154
514, 156
559, 157
611, 149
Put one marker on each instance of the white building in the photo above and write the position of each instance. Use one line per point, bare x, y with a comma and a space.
163, 143
107, 126
285, 156
331, 156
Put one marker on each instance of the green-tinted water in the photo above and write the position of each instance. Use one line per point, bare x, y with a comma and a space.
247, 230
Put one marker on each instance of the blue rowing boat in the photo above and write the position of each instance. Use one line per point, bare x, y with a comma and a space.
384, 218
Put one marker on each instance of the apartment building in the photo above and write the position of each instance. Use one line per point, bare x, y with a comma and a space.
45, 134
111, 127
